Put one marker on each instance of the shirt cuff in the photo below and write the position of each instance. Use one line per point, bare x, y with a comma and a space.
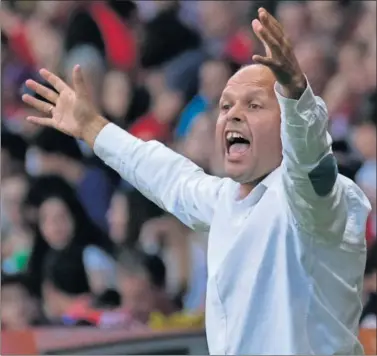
307, 102
111, 140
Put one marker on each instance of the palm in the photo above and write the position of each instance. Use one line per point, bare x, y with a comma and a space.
72, 107
64, 116
280, 57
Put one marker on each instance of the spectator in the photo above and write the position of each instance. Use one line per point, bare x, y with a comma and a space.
313, 56
218, 21
108, 27
213, 76
13, 153
198, 143
142, 283
63, 225
93, 66
122, 100
67, 297
156, 124
64, 283
54, 153
19, 306
17, 236
166, 36
295, 18
185, 260
128, 212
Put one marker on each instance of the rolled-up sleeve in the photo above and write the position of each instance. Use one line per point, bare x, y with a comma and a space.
315, 195
168, 179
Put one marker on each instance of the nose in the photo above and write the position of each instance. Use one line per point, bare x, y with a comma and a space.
236, 114
234, 119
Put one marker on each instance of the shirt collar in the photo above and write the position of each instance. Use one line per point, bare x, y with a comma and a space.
256, 194
270, 178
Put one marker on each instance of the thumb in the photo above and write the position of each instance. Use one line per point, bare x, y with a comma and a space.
266, 61
78, 81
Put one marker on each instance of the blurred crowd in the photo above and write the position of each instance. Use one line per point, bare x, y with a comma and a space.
79, 246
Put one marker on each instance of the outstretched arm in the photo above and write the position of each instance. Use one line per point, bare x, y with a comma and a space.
315, 195
168, 179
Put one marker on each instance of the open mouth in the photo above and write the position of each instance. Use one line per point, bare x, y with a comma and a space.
236, 144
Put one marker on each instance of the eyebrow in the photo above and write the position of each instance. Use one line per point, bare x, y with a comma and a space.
249, 93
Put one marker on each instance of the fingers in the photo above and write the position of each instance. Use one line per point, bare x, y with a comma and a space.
78, 81
37, 104
41, 121
256, 28
266, 37
43, 91
267, 61
270, 33
270, 23
54, 80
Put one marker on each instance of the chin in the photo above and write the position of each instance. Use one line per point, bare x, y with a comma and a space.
238, 172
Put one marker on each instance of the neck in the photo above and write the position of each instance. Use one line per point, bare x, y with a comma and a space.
246, 188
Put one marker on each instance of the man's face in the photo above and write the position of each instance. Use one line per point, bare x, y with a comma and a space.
18, 309
213, 77
248, 127
138, 295
14, 190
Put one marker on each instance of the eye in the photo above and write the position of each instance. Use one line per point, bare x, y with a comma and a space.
225, 107
254, 106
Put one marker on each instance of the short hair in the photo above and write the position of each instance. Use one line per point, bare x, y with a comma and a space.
65, 271
14, 144
135, 262
53, 141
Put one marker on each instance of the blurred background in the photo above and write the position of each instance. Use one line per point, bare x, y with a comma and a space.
79, 246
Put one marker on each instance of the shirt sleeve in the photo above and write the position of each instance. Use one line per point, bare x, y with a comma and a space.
313, 190
168, 179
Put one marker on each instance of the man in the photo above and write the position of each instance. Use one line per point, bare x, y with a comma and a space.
19, 307
141, 281
286, 248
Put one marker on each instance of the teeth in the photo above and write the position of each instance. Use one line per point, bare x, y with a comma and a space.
232, 134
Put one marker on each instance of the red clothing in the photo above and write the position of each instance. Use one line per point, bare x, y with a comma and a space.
19, 44
120, 317
240, 48
81, 310
120, 43
149, 128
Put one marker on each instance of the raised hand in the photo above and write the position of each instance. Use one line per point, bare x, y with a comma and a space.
70, 111
280, 57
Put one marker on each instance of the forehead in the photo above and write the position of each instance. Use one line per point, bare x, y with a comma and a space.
133, 280
53, 205
254, 79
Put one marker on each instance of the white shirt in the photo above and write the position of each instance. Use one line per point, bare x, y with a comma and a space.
285, 264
